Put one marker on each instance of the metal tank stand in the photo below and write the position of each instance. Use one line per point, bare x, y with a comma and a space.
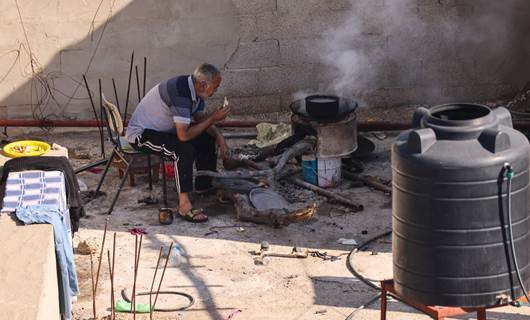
436, 312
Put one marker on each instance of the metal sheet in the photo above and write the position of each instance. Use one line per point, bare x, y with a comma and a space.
338, 139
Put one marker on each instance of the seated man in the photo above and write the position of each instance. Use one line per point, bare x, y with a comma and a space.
170, 120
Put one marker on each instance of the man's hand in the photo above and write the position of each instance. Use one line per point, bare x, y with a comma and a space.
222, 147
220, 114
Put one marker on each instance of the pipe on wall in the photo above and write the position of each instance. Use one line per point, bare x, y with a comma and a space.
365, 126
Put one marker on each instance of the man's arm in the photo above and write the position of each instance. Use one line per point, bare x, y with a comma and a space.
214, 132
186, 132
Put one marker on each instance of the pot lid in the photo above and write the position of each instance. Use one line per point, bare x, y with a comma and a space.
346, 106
265, 199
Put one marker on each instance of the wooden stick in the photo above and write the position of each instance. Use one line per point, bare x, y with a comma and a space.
153, 283
102, 132
93, 290
163, 272
296, 150
128, 88
101, 255
340, 199
334, 196
367, 181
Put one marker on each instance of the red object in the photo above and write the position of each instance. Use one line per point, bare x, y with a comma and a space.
169, 170
436, 312
137, 231
95, 170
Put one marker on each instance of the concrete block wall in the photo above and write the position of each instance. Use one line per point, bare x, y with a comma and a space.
395, 51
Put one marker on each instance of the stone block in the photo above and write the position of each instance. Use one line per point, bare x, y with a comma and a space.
254, 6
290, 25
255, 54
387, 97
248, 28
277, 80
401, 73
300, 51
477, 92
312, 6
239, 83
250, 105
448, 73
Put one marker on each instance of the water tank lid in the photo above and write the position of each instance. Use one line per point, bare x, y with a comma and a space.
460, 114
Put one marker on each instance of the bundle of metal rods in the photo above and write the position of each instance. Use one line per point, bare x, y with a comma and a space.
140, 92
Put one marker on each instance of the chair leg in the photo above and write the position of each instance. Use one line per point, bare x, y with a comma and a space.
105, 172
121, 186
149, 172
164, 191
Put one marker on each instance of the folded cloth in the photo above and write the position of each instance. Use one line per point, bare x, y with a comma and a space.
68, 285
29, 188
44, 163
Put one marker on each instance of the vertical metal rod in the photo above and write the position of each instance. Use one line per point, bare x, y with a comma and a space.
93, 287
107, 166
112, 278
153, 283
145, 74
133, 307
111, 285
101, 254
91, 100
137, 262
125, 175
137, 83
116, 95
128, 88
101, 135
163, 272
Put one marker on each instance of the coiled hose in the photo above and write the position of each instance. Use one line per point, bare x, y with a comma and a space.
367, 281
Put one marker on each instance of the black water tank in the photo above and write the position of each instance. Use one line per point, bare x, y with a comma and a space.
450, 239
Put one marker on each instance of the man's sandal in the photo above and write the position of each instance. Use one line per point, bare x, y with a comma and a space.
194, 215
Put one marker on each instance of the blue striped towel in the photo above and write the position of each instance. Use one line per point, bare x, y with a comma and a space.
34, 187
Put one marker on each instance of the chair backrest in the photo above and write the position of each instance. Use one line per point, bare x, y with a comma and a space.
114, 121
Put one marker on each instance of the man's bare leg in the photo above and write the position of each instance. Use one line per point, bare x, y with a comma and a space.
185, 206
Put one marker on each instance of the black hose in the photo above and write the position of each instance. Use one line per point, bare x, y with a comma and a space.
349, 265
126, 297
509, 177
372, 300
349, 260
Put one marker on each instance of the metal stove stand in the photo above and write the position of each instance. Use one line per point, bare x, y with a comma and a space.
436, 312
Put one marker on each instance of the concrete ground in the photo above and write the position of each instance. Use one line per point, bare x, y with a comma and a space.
217, 269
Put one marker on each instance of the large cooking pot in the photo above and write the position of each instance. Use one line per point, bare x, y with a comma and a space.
322, 106
344, 107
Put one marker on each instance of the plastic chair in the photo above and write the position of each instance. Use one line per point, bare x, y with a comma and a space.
124, 151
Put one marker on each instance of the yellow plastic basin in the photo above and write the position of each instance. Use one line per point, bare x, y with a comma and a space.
26, 148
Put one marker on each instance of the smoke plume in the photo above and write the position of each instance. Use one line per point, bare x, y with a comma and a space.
437, 44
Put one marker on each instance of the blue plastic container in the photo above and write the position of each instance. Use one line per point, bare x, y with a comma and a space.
309, 168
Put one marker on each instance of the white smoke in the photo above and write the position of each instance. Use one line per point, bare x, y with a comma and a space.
406, 45
348, 66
